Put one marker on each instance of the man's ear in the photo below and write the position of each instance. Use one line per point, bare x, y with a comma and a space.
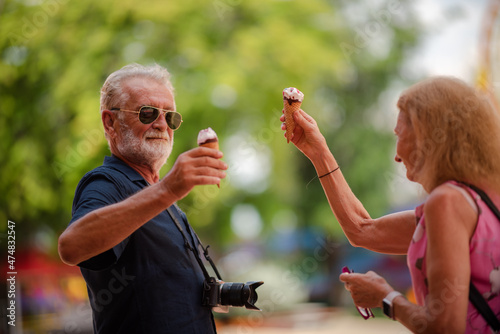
108, 122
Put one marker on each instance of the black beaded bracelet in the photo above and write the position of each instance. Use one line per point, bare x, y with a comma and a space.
329, 172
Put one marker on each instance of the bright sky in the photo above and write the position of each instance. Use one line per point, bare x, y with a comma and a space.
452, 42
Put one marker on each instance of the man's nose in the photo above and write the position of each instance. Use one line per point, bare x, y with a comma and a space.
161, 122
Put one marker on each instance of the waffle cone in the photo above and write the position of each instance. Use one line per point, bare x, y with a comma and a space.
290, 107
213, 144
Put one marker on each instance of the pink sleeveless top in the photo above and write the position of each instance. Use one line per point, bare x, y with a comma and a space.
485, 264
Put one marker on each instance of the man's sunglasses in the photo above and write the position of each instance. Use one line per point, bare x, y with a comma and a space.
366, 313
148, 115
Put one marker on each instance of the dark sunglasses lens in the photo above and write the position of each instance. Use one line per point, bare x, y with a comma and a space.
148, 115
173, 119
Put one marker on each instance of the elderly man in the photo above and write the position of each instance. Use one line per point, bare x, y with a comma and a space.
140, 276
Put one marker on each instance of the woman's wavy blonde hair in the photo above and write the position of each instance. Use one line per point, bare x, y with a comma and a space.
457, 133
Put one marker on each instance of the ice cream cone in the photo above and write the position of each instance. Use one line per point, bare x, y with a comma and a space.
290, 107
292, 100
213, 144
208, 138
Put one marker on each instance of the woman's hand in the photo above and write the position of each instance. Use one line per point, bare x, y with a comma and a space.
306, 136
367, 290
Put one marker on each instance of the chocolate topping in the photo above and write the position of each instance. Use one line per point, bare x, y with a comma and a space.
211, 140
290, 101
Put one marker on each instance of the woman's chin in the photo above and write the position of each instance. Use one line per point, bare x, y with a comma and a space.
410, 175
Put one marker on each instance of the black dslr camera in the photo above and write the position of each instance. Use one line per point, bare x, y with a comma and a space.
220, 295
217, 294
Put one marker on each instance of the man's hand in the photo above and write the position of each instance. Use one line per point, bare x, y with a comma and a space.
198, 166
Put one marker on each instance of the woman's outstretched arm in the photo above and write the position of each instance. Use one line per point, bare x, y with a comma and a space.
388, 234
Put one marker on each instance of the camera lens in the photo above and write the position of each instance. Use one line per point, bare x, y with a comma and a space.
240, 294
233, 294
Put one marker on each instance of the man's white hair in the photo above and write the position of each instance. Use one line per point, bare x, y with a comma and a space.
112, 92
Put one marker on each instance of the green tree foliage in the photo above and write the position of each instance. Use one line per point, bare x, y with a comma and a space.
230, 60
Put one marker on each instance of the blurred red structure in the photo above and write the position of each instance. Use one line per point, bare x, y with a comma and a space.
50, 295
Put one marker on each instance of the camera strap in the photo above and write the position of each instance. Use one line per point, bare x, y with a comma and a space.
188, 245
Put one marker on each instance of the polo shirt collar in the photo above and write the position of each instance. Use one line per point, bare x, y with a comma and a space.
123, 167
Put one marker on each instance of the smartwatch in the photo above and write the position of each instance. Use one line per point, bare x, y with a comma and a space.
387, 304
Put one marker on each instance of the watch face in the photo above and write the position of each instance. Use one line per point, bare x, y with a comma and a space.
387, 309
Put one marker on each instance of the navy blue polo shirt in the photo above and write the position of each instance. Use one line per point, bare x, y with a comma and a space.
150, 282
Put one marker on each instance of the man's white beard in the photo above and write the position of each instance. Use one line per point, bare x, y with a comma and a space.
152, 153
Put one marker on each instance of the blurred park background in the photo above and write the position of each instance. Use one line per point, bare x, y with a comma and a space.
230, 60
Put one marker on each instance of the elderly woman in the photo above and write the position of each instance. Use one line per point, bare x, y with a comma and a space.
447, 135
